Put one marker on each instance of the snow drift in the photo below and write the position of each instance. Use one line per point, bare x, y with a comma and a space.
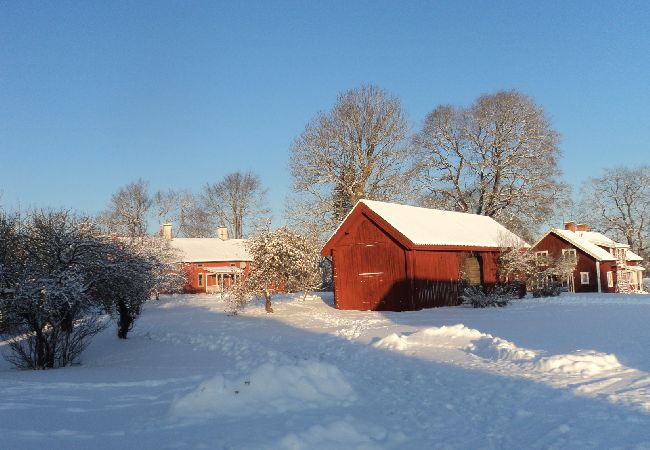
269, 389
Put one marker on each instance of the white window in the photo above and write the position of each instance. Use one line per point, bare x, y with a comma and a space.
610, 279
201, 279
542, 257
569, 252
584, 277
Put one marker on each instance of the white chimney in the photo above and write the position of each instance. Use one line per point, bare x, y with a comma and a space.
166, 231
222, 233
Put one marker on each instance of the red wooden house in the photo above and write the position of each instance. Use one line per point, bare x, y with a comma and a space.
211, 264
604, 265
394, 257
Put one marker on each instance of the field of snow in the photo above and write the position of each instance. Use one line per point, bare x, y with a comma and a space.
568, 372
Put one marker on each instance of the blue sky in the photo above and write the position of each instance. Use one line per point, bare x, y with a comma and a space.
94, 95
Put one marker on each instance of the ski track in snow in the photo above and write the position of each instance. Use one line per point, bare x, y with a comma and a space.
312, 377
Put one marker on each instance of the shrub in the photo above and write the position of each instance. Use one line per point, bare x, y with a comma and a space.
498, 296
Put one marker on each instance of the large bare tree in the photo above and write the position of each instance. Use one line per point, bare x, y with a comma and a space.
238, 202
127, 212
359, 149
184, 210
618, 203
498, 158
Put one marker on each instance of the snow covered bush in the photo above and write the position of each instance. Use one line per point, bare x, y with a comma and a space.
284, 261
550, 274
483, 297
59, 275
128, 273
48, 316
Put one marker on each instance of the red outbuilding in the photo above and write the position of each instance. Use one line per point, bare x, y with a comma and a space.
395, 257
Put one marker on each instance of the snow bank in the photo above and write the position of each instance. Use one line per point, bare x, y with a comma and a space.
457, 336
347, 433
585, 363
269, 389
498, 349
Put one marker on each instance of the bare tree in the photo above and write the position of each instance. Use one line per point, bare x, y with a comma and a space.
238, 202
357, 150
618, 202
127, 212
497, 158
184, 210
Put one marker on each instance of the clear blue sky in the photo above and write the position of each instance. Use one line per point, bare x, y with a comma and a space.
96, 94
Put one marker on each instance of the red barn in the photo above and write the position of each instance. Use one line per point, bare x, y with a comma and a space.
394, 257
604, 265
211, 264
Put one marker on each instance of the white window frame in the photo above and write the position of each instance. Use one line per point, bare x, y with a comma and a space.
569, 251
541, 257
201, 280
610, 279
584, 277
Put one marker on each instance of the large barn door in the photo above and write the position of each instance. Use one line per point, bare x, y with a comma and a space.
373, 277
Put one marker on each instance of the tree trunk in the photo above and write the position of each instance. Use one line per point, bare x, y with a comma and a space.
267, 303
125, 320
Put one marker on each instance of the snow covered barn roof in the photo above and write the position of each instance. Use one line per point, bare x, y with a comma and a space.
434, 227
211, 249
581, 242
631, 256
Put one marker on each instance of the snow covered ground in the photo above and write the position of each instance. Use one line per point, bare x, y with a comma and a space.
568, 372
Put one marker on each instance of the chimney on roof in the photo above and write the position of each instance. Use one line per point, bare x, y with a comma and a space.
571, 226
583, 227
166, 231
222, 233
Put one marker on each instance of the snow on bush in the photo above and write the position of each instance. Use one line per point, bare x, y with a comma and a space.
481, 297
585, 363
269, 389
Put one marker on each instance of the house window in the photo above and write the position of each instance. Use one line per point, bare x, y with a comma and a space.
610, 279
584, 277
542, 257
569, 252
201, 280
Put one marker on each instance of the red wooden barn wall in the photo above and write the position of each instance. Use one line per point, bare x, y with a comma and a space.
373, 271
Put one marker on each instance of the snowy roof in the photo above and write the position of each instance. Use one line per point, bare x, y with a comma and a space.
631, 256
583, 244
211, 249
600, 239
424, 226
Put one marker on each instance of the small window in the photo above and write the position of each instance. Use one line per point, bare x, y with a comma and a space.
610, 279
201, 279
542, 257
199, 265
584, 277
569, 252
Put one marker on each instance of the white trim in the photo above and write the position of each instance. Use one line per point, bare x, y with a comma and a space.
584, 278
610, 279
598, 276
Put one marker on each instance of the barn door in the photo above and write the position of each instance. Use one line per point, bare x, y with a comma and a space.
370, 277
470, 269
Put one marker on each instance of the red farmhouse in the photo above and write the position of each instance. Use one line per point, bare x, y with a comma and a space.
398, 258
603, 264
211, 264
